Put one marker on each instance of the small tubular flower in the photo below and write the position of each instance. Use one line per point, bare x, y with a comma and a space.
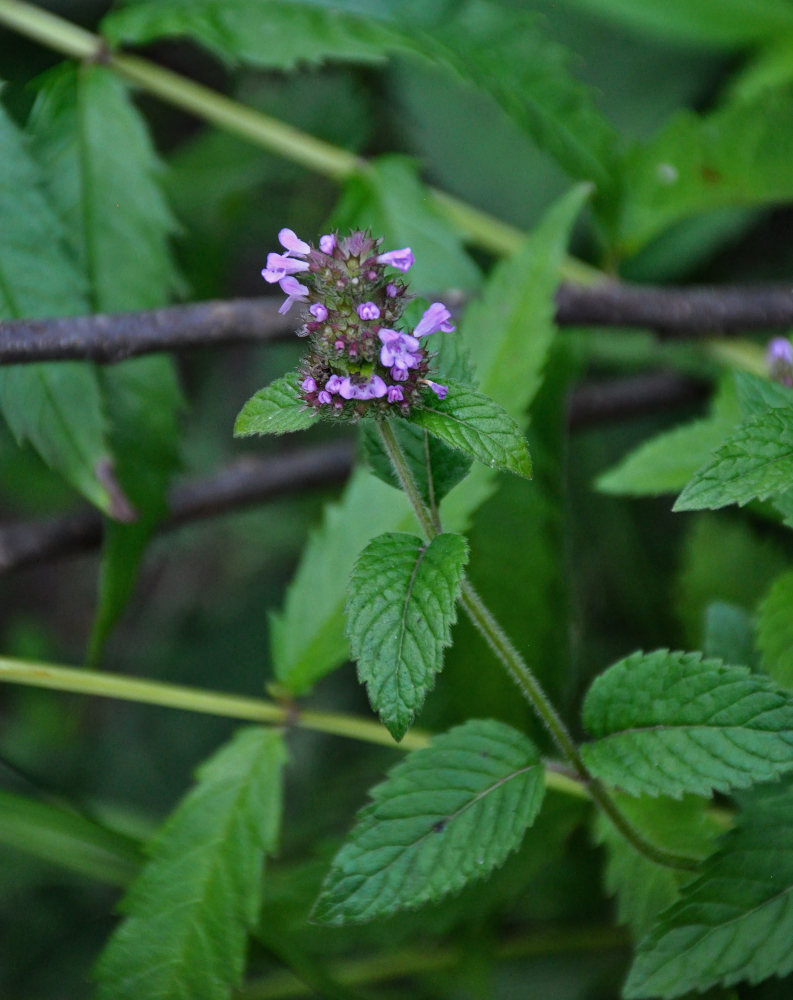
319, 312
292, 243
779, 358
439, 390
402, 260
399, 350
280, 265
327, 243
436, 317
294, 291
368, 311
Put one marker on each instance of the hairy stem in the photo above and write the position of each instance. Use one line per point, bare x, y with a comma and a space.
520, 672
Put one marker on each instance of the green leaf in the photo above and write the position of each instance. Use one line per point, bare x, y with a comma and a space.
505, 54
756, 395
308, 635
104, 176
775, 630
400, 611
57, 407
665, 463
188, 913
668, 723
276, 409
737, 156
728, 634
713, 22
436, 468
735, 922
142, 398
476, 425
643, 888
755, 462
390, 200
445, 816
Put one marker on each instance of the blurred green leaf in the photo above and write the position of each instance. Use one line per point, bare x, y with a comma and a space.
775, 630
728, 634
401, 605
739, 155
56, 406
188, 912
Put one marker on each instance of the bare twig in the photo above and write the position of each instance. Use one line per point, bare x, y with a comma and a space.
107, 338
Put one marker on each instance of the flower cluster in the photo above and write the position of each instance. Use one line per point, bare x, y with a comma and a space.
779, 358
358, 363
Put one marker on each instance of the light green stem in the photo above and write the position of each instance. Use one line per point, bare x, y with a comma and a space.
476, 226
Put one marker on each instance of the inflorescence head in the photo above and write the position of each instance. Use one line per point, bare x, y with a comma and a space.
358, 363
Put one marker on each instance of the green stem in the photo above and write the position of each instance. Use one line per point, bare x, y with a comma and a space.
517, 668
277, 137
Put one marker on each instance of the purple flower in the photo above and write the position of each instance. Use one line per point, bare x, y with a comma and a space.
334, 383
308, 384
279, 265
398, 349
399, 374
292, 243
439, 390
327, 243
779, 358
402, 260
437, 317
324, 397
339, 344
294, 291
391, 290
319, 312
368, 311
395, 394
373, 389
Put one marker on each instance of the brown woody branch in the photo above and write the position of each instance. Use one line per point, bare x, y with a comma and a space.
250, 481
107, 338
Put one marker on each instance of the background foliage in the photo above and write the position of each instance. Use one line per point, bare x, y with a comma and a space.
654, 140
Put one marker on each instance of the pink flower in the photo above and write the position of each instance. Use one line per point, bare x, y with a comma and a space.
437, 317
373, 389
402, 260
327, 243
308, 384
395, 394
319, 312
279, 265
368, 311
294, 291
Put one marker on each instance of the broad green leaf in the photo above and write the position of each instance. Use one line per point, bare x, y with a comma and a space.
57, 407
737, 156
142, 397
509, 352
643, 888
473, 423
307, 636
756, 394
506, 54
276, 409
188, 913
755, 462
667, 723
710, 22
400, 611
104, 177
389, 199
775, 630
67, 839
436, 468
443, 817
735, 922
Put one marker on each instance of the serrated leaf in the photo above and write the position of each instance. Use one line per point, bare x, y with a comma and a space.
436, 468
756, 395
104, 177
668, 723
735, 922
445, 816
189, 911
400, 611
389, 199
472, 422
737, 156
308, 635
755, 462
57, 407
775, 630
643, 888
506, 54
276, 409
